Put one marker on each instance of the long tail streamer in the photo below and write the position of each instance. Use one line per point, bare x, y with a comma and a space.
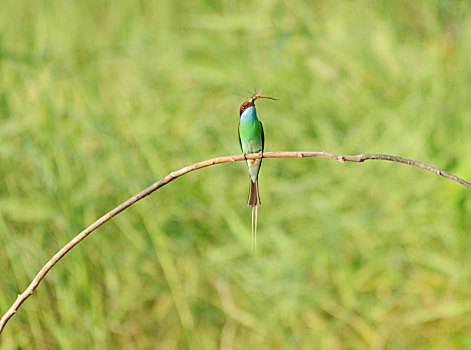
254, 227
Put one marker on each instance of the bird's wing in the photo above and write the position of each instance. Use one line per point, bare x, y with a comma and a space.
263, 137
240, 142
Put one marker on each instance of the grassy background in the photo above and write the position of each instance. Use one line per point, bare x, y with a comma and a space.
99, 99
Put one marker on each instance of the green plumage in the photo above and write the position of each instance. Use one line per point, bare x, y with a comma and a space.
251, 139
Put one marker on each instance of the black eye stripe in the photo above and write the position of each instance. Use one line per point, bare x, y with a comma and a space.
244, 107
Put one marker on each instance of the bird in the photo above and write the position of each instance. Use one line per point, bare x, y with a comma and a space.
252, 140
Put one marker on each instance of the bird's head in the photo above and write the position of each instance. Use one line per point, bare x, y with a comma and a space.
251, 101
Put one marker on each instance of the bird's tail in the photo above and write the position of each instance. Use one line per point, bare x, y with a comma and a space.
254, 202
254, 197
254, 228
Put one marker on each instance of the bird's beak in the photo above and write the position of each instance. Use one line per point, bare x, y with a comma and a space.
259, 95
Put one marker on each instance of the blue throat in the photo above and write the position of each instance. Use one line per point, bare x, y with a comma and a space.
249, 114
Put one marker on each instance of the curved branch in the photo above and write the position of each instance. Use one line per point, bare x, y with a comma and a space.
172, 176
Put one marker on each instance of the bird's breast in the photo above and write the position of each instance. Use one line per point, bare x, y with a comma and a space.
250, 132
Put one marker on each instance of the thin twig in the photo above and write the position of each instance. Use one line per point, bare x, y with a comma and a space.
172, 176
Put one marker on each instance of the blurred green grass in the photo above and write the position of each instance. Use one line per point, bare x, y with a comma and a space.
100, 99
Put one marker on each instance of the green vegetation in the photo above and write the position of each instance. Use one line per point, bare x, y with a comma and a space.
99, 99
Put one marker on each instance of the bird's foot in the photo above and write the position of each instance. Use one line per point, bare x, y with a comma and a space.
260, 154
245, 156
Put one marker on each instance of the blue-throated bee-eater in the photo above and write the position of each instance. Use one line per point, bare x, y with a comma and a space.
252, 140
